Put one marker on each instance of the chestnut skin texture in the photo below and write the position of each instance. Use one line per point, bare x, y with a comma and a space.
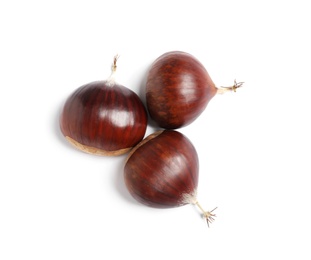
106, 118
178, 89
161, 169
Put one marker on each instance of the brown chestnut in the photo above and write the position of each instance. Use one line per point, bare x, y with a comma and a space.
162, 171
104, 118
178, 89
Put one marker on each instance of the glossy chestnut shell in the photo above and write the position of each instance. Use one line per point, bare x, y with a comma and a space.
178, 89
162, 169
103, 118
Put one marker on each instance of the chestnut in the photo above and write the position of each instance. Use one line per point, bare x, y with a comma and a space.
162, 171
104, 118
178, 89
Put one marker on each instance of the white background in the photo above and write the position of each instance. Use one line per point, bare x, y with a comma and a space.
253, 145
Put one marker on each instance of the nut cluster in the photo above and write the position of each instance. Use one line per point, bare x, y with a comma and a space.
106, 118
